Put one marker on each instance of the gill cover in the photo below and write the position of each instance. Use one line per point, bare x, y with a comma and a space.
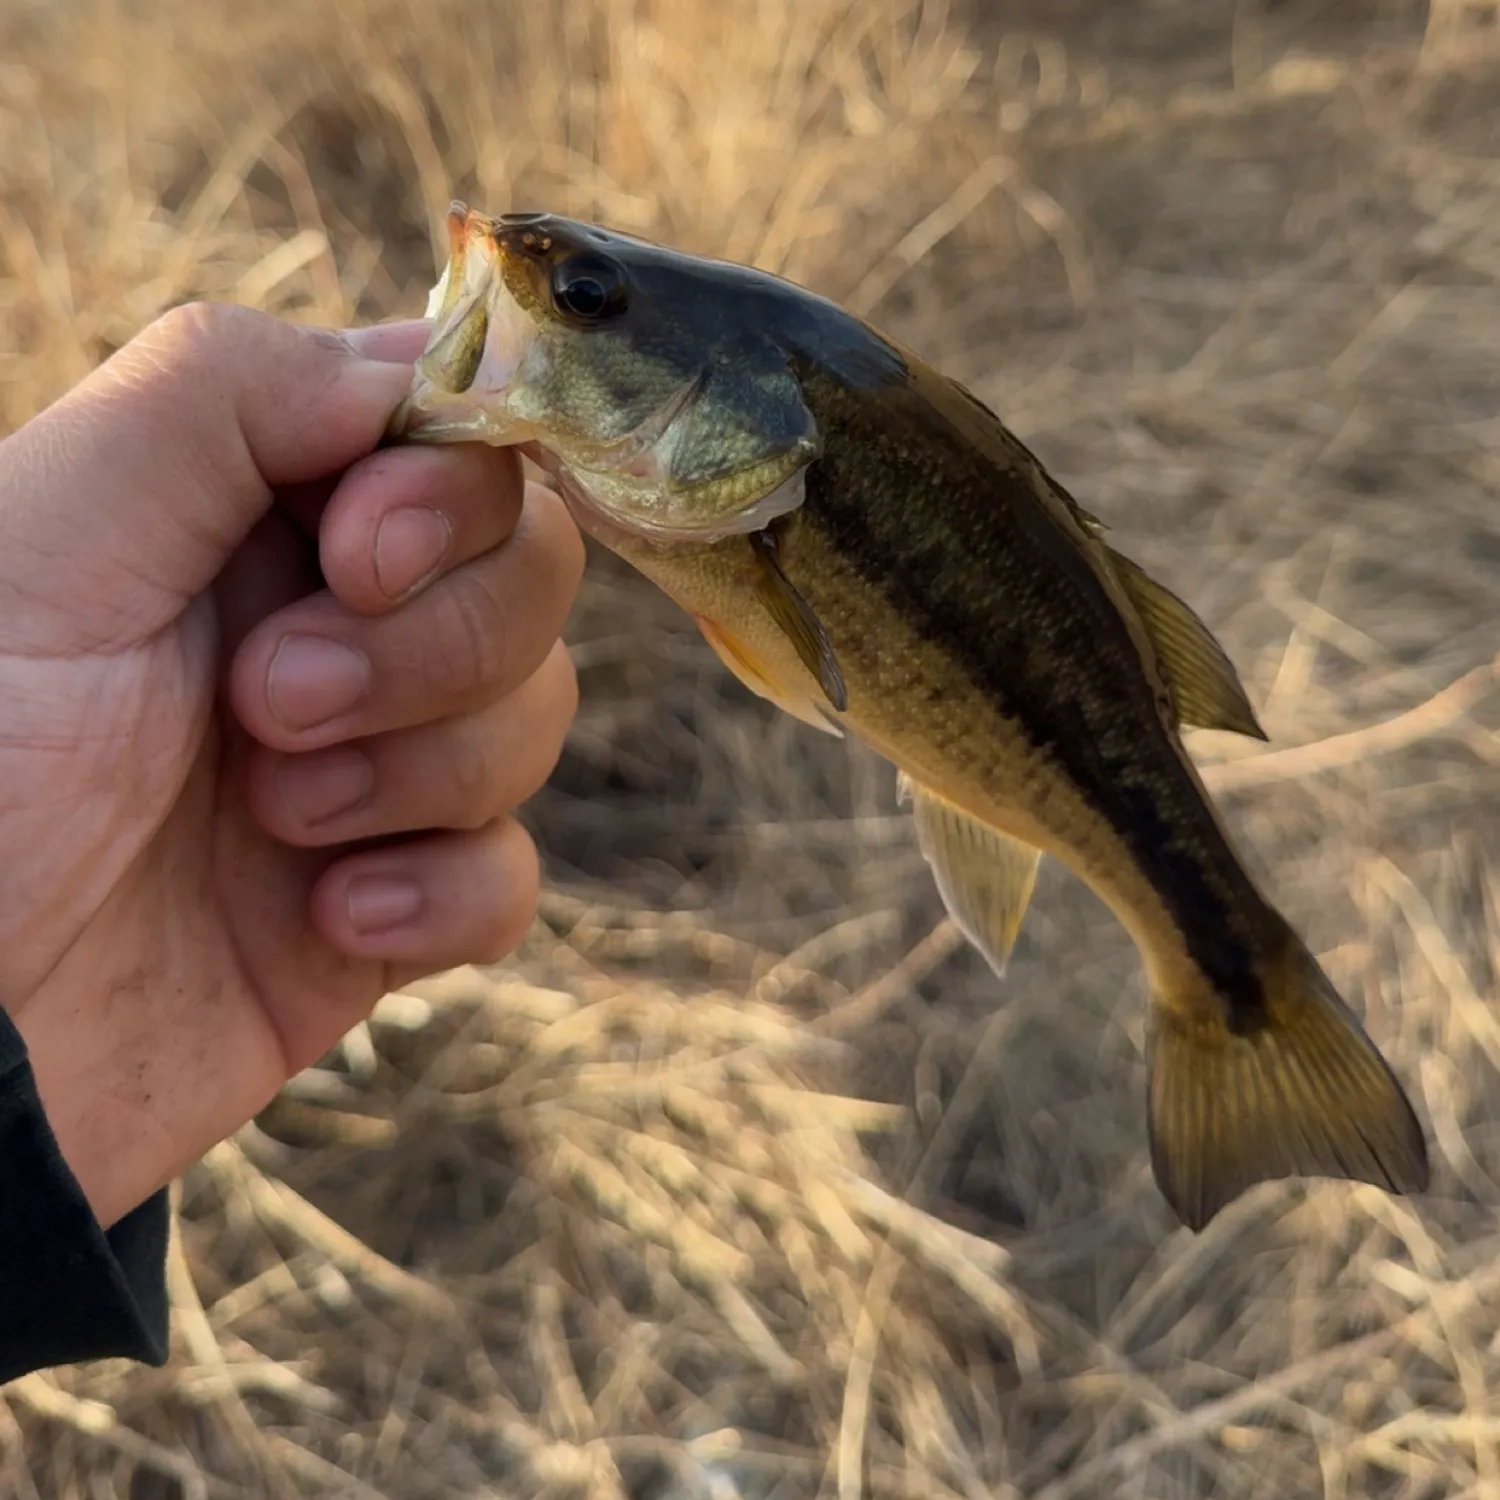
742, 414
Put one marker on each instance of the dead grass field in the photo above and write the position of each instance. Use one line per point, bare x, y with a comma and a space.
743, 1179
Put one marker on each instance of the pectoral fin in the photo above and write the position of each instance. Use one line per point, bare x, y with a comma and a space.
794, 616
984, 877
750, 671
1206, 689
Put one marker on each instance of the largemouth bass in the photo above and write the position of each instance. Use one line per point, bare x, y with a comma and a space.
865, 544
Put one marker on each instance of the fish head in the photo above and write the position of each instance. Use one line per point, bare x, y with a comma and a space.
650, 383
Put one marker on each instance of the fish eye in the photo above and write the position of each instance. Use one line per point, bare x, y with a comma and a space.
589, 287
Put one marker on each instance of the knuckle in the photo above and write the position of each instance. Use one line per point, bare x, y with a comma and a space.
501, 479
473, 782
548, 549
541, 711
473, 648
192, 331
564, 549
556, 687
520, 878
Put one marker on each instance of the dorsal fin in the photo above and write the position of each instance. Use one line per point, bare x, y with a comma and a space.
1206, 689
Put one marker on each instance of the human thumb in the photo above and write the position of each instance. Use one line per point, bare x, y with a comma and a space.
122, 502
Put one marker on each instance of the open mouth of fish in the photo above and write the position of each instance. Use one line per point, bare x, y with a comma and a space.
482, 345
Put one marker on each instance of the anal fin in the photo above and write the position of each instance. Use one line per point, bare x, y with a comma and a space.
985, 877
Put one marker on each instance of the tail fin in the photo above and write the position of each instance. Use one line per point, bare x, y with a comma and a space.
1303, 1093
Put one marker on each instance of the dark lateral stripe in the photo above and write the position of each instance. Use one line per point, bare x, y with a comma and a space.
1029, 624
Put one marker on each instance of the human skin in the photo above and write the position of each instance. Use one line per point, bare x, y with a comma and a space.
237, 644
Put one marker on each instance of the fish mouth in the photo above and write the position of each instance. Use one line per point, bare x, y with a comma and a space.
480, 336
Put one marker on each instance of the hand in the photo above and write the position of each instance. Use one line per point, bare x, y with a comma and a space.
200, 736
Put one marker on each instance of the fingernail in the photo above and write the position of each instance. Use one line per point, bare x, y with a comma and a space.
389, 343
316, 788
380, 902
313, 680
409, 548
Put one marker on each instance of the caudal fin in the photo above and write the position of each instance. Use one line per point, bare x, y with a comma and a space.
1303, 1094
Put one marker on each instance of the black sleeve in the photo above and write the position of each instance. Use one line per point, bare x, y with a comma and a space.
68, 1290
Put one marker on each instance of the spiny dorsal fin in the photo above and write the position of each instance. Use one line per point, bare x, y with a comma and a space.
794, 615
1304, 1093
984, 877
1206, 689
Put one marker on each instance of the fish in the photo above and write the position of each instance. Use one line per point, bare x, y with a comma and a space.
866, 544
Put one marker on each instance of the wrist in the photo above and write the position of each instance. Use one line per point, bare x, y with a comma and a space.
102, 1147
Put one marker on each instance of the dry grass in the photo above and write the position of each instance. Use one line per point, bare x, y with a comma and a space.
742, 1179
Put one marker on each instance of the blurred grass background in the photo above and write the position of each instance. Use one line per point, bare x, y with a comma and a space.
743, 1178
